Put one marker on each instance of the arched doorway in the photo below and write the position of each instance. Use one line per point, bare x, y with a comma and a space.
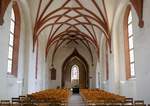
75, 64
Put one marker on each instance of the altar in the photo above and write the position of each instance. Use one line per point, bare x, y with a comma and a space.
75, 90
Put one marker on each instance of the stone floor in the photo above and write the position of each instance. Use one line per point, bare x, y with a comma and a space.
75, 100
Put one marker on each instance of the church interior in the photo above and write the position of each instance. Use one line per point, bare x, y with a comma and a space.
74, 53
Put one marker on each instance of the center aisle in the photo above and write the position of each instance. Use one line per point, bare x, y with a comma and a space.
75, 100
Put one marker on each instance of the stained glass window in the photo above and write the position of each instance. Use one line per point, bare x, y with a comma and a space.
74, 72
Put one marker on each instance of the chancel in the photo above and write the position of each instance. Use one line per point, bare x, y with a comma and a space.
74, 52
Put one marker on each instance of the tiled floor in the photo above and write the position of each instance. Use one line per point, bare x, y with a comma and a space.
75, 100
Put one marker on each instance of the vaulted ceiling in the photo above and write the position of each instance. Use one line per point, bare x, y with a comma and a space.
67, 21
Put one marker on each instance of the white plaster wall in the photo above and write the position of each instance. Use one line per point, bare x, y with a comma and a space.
103, 63
137, 88
4, 35
25, 81
41, 64
29, 66
31, 84
117, 82
62, 53
142, 54
127, 87
98, 75
10, 85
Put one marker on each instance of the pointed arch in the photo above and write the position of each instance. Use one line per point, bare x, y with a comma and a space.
75, 58
14, 39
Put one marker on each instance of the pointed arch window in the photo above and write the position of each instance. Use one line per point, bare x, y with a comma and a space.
11, 41
75, 72
129, 47
14, 36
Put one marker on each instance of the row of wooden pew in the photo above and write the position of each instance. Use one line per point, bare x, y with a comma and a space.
49, 97
98, 97
15, 101
53, 96
59, 97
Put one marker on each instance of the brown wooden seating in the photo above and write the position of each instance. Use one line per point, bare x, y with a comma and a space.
117, 103
23, 100
128, 102
98, 97
29, 104
5, 103
99, 102
22, 97
50, 97
139, 103
15, 101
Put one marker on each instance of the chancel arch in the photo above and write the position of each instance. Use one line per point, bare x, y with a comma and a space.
75, 59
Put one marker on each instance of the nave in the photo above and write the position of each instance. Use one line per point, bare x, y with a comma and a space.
50, 44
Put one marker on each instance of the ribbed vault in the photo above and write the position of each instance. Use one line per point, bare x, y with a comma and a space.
72, 21
67, 21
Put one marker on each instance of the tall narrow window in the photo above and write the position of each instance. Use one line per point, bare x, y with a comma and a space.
131, 46
11, 42
128, 42
14, 37
75, 75
74, 72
